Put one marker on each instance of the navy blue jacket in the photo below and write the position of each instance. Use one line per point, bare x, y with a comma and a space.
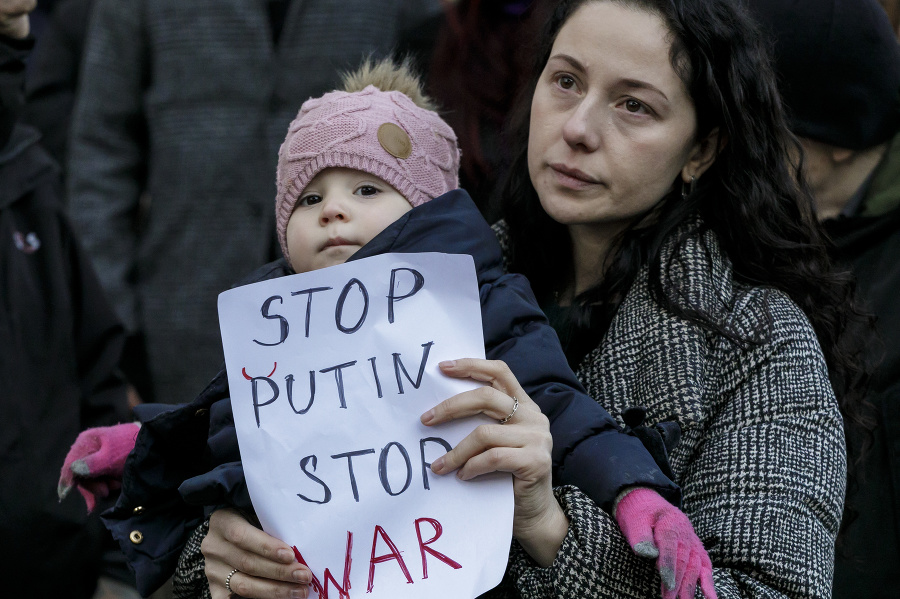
188, 458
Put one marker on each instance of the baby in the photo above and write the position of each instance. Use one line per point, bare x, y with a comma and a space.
367, 170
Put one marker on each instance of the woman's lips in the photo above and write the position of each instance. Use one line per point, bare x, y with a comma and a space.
572, 177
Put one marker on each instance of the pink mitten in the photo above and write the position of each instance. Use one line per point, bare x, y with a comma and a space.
656, 528
96, 460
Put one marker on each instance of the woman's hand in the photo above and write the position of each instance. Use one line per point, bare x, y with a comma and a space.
266, 568
521, 446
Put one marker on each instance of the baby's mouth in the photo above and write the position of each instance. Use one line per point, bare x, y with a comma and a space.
336, 242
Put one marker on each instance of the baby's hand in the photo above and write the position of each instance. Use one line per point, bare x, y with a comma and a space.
96, 461
657, 529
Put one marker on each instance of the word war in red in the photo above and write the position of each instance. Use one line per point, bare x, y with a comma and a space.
321, 586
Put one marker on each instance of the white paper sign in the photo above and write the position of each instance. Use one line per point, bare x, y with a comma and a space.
329, 372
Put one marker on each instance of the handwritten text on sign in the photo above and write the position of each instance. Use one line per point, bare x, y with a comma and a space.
329, 372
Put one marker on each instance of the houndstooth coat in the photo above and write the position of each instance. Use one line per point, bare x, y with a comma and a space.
761, 460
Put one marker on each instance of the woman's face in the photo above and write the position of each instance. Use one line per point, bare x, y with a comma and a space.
612, 124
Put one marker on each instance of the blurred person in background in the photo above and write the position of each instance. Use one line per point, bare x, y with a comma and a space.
476, 56
179, 114
839, 71
52, 75
60, 345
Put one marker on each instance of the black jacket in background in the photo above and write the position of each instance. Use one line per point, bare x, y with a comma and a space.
59, 349
869, 244
52, 78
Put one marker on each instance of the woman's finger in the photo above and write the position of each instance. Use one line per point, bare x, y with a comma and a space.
484, 438
524, 463
251, 587
265, 566
484, 400
478, 453
494, 372
232, 537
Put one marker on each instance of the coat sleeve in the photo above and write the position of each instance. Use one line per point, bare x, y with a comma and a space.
108, 148
190, 575
590, 451
764, 486
171, 447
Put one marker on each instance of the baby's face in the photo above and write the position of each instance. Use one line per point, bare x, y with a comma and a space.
340, 211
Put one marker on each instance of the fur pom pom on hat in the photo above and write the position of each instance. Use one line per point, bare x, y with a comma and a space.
383, 133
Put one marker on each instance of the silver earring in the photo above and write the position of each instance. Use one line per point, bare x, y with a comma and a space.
687, 188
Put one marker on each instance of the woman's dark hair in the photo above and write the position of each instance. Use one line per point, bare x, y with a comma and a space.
481, 59
752, 198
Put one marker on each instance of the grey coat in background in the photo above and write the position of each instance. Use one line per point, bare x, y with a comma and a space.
181, 110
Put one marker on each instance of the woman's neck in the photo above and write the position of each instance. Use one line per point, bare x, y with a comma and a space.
591, 245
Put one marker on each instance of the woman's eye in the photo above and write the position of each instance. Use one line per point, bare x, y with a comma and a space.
310, 200
632, 105
565, 81
367, 190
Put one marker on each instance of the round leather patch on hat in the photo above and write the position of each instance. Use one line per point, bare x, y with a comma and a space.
394, 140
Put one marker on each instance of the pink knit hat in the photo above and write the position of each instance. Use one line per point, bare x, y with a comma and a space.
381, 133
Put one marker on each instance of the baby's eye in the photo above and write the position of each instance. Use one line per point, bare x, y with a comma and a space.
367, 190
310, 200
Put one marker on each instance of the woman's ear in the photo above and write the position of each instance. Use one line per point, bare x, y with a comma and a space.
702, 156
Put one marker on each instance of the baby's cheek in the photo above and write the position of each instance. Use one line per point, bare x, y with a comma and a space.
297, 252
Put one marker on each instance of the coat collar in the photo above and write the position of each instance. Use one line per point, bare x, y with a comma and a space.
450, 223
883, 193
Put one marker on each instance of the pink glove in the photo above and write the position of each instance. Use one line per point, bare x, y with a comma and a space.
656, 528
95, 462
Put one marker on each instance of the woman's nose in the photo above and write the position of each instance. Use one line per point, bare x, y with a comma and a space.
582, 129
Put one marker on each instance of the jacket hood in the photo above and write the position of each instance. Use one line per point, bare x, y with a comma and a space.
450, 220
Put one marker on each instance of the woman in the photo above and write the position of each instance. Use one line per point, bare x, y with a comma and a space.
657, 215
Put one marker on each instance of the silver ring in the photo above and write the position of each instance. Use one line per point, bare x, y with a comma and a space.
228, 581
511, 414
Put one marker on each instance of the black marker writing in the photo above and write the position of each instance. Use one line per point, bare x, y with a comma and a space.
309, 302
339, 379
398, 366
284, 323
382, 468
289, 383
350, 455
315, 478
418, 283
339, 307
